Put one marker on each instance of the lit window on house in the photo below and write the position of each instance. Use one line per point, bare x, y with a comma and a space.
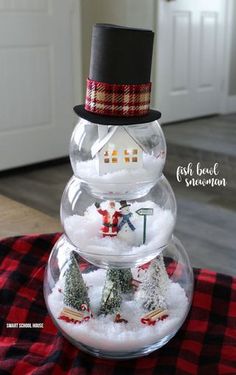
114, 160
135, 152
127, 160
106, 157
126, 152
134, 159
114, 153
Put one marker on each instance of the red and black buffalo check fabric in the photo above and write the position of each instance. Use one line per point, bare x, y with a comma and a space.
206, 343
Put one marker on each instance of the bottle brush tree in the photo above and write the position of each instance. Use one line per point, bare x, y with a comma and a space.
125, 279
75, 291
111, 294
154, 285
118, 282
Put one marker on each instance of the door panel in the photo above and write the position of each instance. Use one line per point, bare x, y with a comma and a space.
35, 65
181, 49
208, 49
36, 80
189, 55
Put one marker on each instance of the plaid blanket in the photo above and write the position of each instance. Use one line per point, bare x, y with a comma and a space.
206, 343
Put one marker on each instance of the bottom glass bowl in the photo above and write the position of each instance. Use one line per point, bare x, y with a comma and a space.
118, 313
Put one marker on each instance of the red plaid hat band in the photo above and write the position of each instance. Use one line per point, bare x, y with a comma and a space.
117, 100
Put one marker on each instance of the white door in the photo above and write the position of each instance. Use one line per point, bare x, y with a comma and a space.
189, 58
36, 74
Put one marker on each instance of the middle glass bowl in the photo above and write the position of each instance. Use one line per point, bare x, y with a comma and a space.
118, 233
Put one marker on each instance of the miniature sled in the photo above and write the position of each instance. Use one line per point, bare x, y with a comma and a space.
119, 319
153, 316
74, 316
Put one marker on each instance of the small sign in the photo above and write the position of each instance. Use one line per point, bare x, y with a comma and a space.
144, 212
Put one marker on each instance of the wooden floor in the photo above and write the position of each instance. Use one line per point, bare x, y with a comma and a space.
17, 218
207, 140
214, 133
206, 221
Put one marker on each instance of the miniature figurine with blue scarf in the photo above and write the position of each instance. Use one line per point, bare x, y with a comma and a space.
125, 227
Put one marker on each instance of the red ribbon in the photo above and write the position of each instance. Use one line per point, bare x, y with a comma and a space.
117, 100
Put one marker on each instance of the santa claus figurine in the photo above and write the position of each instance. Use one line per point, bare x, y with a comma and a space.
110, 219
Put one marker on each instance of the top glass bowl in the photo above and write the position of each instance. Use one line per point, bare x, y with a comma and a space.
115, 160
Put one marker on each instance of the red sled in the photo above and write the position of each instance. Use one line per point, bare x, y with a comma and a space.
74, 316
152, 317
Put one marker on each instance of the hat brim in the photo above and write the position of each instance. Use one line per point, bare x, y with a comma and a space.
127, 205
115, 120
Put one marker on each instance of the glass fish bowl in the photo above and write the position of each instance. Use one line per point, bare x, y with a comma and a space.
118, 158
118, 232
118, 313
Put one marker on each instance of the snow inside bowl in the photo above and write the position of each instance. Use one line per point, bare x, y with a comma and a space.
118, 233
118, 313
117, 159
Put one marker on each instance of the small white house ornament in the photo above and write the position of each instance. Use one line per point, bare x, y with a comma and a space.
116, 149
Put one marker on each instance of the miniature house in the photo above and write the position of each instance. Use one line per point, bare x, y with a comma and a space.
116, 149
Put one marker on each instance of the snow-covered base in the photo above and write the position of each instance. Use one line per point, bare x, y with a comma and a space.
84, 233
152, 168
103, 334
121, 182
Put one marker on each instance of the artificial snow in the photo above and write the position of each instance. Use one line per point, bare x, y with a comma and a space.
84, 233
151, 169
103, 334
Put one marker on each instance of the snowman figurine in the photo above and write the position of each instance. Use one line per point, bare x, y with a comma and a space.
125, 227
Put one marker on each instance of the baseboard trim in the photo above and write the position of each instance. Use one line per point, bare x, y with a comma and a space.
30, 167
231, 104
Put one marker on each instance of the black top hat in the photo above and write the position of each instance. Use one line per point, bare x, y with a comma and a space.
124, 204
118, 87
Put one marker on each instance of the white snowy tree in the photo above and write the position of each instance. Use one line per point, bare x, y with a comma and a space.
154, 285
